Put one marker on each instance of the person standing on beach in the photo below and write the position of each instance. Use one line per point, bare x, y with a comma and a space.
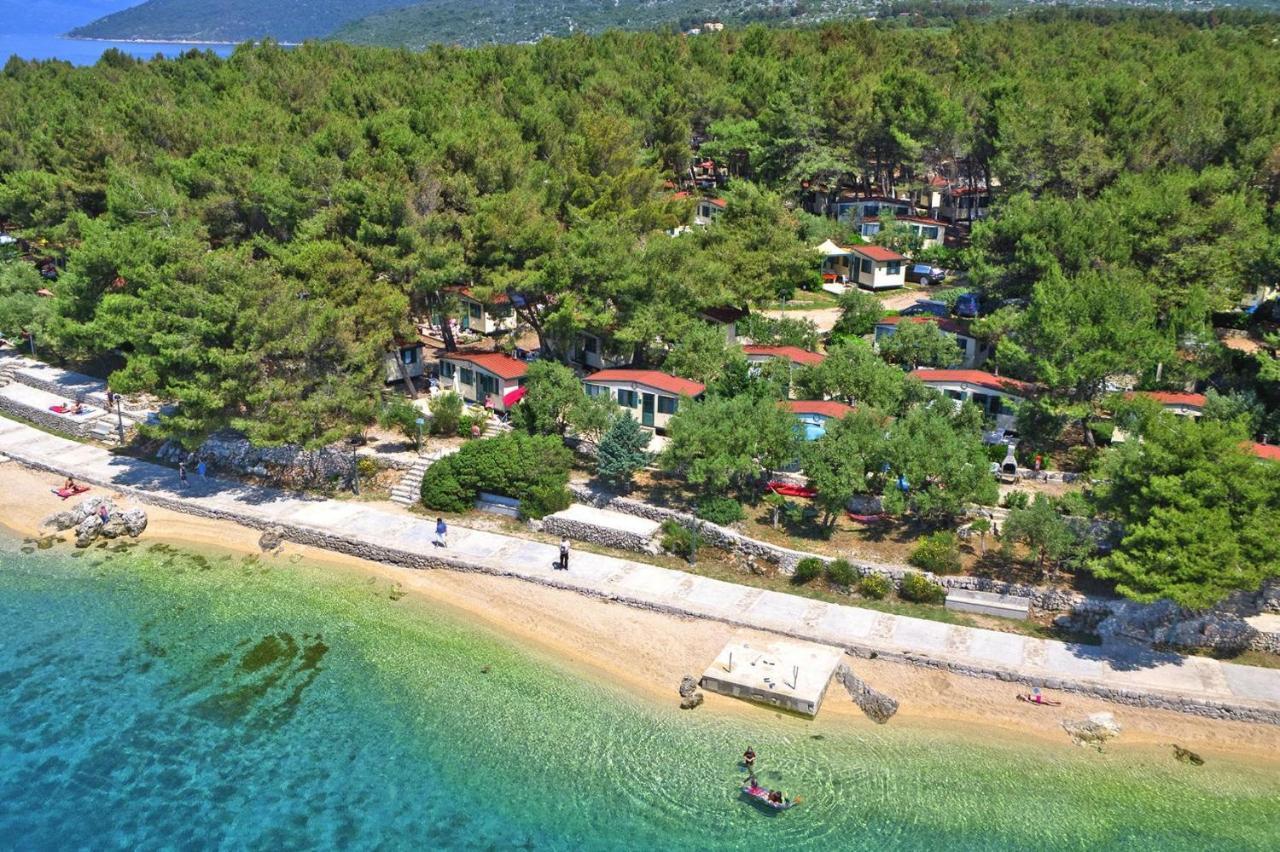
442, 530
182, 474
564, 553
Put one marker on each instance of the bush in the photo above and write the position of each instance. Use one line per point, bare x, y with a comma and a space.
842, 573
918, 588
677, 539
719, 510
1016, 500
937, 553
367, 467
442, 491
1080, 459
513, 465
544, 499
874, 586
398, 414
466, 421
446, 411
1074, 503
809, 568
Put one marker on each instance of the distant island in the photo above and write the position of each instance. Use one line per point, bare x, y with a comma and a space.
473, 22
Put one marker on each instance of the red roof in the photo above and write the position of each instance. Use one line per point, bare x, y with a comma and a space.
981, 378
824, 407
1270, 452
946, 324
1195, 400
649, 378
502, 366
681, 195
719, 202
495, 299
792, 353
877, 253
922, 220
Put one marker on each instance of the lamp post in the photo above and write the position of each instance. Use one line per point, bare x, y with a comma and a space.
355, 468
119, 419
417, 446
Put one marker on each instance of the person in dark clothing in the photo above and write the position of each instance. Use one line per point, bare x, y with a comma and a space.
564, 554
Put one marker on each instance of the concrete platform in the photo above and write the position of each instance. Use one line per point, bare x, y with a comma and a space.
988, 603
610, 520
782, 673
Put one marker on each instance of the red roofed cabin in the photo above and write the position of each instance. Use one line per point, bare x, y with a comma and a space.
651, 396
814, 414
794, 356
994, 395
877, 268
1175, 402
482, 377
971, 351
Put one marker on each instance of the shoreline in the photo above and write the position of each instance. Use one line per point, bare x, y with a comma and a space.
194, 42
613, 644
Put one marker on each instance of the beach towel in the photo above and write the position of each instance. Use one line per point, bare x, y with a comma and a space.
64, 493
60, 409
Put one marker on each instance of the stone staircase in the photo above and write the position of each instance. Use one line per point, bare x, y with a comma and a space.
494, 427
8, 368
407, 491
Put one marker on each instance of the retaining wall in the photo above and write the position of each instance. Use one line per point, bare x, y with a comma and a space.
410, 559
45, 419
604, 536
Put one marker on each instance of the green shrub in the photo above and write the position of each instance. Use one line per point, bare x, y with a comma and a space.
937, 553
442, 491
1074, 503
918, 588
677, 539
842, 573
466, 421
807, 569
1015, 500
544, 499
367, 467
446, 411
398, 414
514, 465
1080, 459
719, 510
874, 586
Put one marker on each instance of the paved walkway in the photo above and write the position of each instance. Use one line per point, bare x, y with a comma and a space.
1192, 684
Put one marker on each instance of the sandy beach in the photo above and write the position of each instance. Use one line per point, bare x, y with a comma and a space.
647, 653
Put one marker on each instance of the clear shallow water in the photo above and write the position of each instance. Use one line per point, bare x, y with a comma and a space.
153, 699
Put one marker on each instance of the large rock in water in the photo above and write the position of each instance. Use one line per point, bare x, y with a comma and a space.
86, 519
690, 696
63, 520
135, 521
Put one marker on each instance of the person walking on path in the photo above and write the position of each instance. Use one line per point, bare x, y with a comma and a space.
564, 553
442, 530
182, 474
201, 469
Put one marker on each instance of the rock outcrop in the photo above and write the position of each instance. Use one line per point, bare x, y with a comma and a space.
690, 695
272, 539
1094, 731
1166, 624
99, 517
878, 706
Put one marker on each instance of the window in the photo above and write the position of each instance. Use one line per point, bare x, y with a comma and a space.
468, 376
867, 266
628, 399
894, 267
667, 404
871, 210
870, 229
477, 312
592, 390
447, 369
929, 233
488, 384
954, 394
409, 355
590, 344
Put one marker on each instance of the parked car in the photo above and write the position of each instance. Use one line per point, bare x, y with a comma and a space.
968, 306
923, 273
927, 307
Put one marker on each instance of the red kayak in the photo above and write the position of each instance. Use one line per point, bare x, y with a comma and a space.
761, 795
786, 489
64, 493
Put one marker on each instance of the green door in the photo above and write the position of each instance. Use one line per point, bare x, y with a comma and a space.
646, 410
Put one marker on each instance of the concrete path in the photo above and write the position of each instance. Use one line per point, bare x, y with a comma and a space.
1190, 684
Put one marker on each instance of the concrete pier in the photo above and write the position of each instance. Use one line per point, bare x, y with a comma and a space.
782, 673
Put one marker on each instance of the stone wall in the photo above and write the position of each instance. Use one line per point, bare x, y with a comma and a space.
1043, 598
288, 466
604, 536
77, 428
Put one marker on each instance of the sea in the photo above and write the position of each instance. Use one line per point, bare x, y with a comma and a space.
156, 698
34, 29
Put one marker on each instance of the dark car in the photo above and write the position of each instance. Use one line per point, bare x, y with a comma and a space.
926, 308
923, 273
968, 306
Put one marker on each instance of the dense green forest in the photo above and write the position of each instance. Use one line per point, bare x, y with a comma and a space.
248, 235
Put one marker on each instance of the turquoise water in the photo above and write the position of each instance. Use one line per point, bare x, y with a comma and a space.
155, 699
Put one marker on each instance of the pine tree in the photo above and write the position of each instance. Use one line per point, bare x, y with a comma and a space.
622, 452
